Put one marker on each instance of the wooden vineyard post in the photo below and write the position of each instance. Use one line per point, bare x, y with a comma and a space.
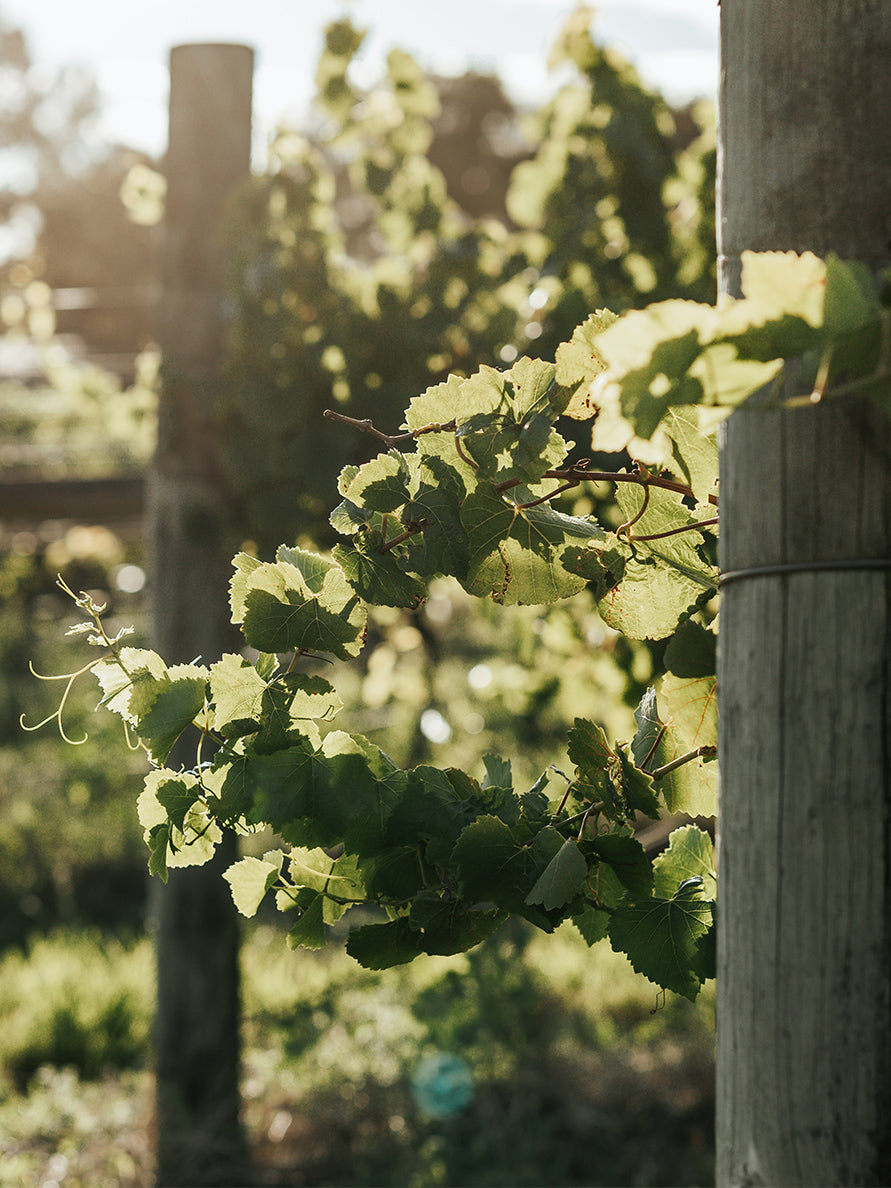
804, 974
199, 1138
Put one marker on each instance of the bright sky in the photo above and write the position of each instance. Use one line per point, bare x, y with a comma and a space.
673, 43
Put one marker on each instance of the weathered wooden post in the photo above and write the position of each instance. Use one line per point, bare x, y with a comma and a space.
199, 1140
804, 981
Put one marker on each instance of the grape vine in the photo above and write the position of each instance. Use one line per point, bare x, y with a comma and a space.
474, 494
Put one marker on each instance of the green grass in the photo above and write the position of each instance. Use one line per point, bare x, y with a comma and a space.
581, 1074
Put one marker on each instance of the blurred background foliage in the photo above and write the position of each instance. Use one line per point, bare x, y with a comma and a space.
416, 227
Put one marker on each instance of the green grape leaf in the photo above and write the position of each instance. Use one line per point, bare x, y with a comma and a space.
504, 450
119, 680
380, 946
663, 580
449, 926
597, 770
290, 707
236, 690
592, 924
850, 298
662, 939
498, 772
250, 878
429, 811
579, 361
393, 874
309, 931
244, 565
636, 786
562, 878
158, 840
779, 285
649, 354
691, 708
515, 553
692, 651
661, 739
311, 797
690, 854
166, 797
494, 866
384, 484
379, 579
435, 508
649, 729
162, 709
695, 452
311, 608
627, 859
173, 800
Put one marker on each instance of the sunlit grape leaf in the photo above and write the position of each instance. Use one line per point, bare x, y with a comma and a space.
660, 740
161, 710
236, 690
244, 565
579, 361
690, 854
166, 796
290, 706
283, 612
505, 449
309, 931
119, 679
250, 878
158, 841
514, 553
442, 404
690, 706
695, 452
562, 878
727, 377
781, 284
313, 567
664, 579
650, 600
649, 354
338, 879
662, 937
346, 886
380, 946
170, 802
383, 484
379, 579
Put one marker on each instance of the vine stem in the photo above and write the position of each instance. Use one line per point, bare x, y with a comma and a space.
671, 531
681, 760
572, 475
389, 439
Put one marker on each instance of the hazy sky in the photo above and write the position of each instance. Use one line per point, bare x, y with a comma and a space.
673, 43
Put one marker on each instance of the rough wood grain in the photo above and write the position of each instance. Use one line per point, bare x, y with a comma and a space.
199, 1138
804, 992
